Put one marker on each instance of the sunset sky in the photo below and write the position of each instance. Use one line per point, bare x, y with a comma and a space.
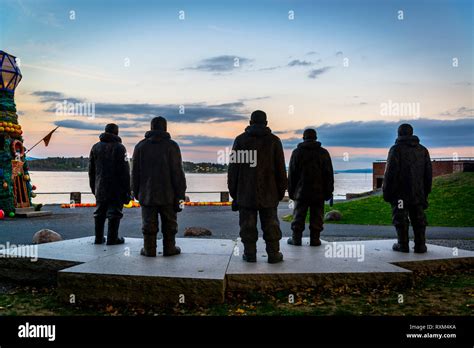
335, 65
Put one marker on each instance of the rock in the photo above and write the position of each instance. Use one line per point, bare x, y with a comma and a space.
333, 215
46, 236
196, 232
359, 195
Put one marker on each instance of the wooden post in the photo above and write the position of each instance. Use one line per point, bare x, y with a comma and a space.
224, 196
75, 197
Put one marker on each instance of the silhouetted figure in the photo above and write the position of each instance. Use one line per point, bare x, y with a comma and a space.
109, 179
406, 186
310, 183
258, 186
159, 184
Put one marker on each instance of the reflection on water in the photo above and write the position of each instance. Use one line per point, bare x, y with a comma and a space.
50, 182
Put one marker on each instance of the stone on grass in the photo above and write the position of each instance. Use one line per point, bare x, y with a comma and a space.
333, 215
46, 236
196, 232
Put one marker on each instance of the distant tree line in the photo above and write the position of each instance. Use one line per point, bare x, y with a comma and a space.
80, 164
204, 167
59, 164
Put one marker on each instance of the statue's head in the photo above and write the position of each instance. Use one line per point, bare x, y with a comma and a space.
112, 128
258, 117
405, 129
159, 123
310, 134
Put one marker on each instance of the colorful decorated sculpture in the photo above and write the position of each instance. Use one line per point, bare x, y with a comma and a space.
15, 186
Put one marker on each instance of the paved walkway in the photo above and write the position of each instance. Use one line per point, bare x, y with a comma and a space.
224, 224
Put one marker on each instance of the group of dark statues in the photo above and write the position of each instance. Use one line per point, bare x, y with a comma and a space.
158, 182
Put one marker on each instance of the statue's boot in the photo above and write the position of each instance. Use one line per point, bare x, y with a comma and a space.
296, 238
250, 252
273, 252
99, 230
149, 245
113, 231
402, 244
420, 240
169, 246
314, 238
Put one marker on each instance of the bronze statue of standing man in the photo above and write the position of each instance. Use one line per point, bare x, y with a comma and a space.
310, 183
159, 184
109, 179
406, 186
257, 183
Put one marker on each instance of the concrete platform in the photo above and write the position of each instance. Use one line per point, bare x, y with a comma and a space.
51, 258
307, 266
196, 276
207, 268
437, 257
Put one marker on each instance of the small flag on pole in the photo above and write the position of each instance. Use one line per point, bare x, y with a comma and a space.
46, 139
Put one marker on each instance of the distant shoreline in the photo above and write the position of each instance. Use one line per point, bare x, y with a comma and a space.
80, 164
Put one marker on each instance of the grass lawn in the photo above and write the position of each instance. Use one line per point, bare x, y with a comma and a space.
440, 294
451, 204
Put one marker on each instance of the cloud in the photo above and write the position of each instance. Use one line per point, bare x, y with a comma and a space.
255, 98
311, 53
83, 125
187, 113
370, 134
315, 73
297, 62
47, 96
191, 113
203, 140
382, 134
460, 112
131, 133
55, 97
291, 64
339, 53
281, 132
223, 63
270, 68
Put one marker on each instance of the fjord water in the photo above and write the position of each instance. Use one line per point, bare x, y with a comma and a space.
50, 182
